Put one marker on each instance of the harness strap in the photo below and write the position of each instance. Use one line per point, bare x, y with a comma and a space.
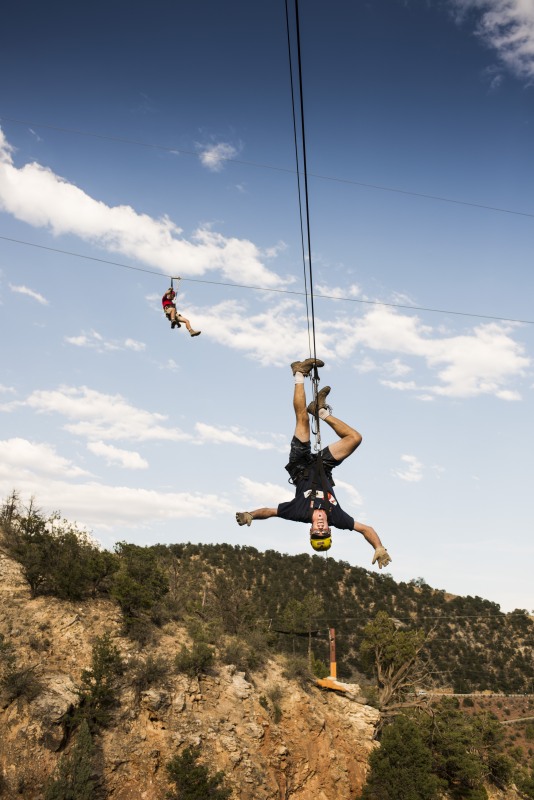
324, 485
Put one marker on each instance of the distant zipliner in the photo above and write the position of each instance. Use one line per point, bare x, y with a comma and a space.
169, 309
309, 472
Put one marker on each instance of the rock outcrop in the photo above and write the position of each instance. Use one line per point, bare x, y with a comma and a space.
315, 747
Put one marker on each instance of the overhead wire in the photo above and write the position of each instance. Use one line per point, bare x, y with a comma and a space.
273, 167
305, 173
310, 312
340, 298
299, 193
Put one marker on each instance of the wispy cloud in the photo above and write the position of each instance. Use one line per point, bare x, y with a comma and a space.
507, 26
260, 495
93, 503
114, 455
484, 360
214, 156
102, 417
413, 470
29, 293
20, 457
355, 498
95, 341
39, 197
234, 435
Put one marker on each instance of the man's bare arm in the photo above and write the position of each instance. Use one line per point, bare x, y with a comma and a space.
381, 555
246, 517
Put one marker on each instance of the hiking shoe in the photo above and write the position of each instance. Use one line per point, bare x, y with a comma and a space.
195, 333
314, 406
174, 323
306, 366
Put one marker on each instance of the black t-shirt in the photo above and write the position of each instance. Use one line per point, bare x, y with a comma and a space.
300, 510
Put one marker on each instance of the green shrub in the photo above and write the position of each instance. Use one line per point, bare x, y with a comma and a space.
196, 661
401, 769
319, 668
16, 681
75, 778
275, 694
244, 654
56, 558
297, 669
152, 671
99, 689
192, 780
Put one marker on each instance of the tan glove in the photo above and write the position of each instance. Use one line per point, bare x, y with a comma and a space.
382, 557
244, 518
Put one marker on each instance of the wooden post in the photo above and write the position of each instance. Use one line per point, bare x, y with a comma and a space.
333, 665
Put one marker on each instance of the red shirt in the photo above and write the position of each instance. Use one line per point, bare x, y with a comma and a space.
165, 300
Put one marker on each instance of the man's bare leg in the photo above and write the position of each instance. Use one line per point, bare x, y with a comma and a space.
184, 321
349, 438
302, 422
301, 369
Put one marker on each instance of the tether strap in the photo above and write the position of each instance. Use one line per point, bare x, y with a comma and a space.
319, 468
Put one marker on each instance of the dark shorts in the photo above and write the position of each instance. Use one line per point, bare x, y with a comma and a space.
300, 457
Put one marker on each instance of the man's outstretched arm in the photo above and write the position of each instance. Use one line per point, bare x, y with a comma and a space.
246, 517
381, 555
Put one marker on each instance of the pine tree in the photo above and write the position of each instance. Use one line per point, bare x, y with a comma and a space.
75, 775
192, 780
401, 769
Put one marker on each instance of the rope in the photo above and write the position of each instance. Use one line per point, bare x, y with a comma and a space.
310, 309
299, 192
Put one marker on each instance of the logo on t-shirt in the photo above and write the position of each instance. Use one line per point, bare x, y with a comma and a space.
332, 500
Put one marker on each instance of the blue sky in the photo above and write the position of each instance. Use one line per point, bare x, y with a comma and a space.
159, 136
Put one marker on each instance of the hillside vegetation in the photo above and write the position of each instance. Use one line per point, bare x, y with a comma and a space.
402, 643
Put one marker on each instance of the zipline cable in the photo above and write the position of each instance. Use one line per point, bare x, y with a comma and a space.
319, 474
273, 167
299, 192
305, 171
338, 298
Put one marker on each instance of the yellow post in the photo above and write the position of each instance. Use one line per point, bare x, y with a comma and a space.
333, 665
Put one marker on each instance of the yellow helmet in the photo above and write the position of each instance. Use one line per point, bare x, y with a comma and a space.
320, 541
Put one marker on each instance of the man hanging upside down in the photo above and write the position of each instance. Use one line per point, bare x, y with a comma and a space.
312, 482
169, 307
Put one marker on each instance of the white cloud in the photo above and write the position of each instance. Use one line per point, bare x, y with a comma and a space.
19, 458
132, 344
397, 367
355, 498
213, 156
338, 291
481, 361
274, 336
114, 455
95, 341
263, 495
507, 26
39, 197
413, 472
100, 417
94, 504
234, 435
6, 389
29, 293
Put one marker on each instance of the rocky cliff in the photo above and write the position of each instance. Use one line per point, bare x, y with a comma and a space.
315, 746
